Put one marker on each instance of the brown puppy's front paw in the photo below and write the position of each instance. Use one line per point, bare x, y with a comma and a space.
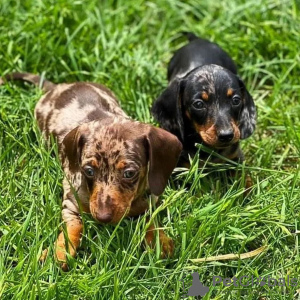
60, 252
74, 234
60, 257
166, 244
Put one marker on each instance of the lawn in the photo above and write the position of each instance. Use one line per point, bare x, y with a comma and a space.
126, 45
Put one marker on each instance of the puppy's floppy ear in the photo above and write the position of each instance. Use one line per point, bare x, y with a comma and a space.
72, 146
167, 108
164, 152
248, 114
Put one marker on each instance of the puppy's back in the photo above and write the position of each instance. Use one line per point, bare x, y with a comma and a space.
196, 53
67, 106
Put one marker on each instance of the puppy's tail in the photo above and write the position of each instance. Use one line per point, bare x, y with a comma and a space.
38, 81
190, 35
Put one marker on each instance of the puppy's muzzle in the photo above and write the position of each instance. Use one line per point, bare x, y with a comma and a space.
104, 212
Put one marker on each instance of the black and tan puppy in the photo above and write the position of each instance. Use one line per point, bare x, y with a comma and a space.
111, 162
205, 102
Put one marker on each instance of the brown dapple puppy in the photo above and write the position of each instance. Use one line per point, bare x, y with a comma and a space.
111, 163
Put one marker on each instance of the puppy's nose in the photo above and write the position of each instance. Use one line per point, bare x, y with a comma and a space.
104, 217
225, 136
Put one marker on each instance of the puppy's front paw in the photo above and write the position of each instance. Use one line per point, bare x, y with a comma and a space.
60, 255
166, 244
61, 259
60, 251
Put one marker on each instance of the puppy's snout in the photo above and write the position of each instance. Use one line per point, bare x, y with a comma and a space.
225, 136
104, 213
104, 217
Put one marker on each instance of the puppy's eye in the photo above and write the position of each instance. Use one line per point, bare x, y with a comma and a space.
198, 104
236, 100
128, 174
89, 171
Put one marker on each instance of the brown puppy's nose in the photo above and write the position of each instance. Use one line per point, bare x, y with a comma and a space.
104, 217
225, 136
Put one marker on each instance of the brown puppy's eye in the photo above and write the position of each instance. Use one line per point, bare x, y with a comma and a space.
198, 104
89, 171
236, 100
129, 174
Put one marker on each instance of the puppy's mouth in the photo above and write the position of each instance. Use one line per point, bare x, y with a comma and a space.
213, 142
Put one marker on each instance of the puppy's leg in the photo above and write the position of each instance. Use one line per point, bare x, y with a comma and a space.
166, 243
74, 227
139, 207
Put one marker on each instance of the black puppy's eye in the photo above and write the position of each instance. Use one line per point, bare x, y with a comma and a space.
236, 100
129, 174
89, 171
198, 104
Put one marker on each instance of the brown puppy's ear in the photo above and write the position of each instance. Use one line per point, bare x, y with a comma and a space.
72, 146
248, 114
164, 151
167, 108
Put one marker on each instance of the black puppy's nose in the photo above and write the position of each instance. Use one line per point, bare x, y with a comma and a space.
104, 217
225, 136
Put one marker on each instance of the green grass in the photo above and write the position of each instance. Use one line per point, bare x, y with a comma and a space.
126, 45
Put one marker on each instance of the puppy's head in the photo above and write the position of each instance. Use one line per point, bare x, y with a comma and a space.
211, 101
119, 162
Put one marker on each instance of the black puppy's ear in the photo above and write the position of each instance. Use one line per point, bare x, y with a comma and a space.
167, 108
164, 151
72, 146
248, 114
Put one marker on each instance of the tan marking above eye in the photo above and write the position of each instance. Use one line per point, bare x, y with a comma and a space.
121, 165
229, 92
94, 163
204, 96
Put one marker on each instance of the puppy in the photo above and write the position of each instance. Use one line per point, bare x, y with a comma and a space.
205, 102
111, 163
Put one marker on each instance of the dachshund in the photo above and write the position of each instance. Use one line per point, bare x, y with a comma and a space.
111, 163
206, 102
